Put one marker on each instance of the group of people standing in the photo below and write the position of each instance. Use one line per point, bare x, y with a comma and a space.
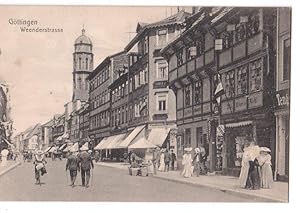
195, 163
163, 159
256, 171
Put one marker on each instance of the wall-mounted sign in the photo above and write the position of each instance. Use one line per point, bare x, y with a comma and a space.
282, 98
160, 84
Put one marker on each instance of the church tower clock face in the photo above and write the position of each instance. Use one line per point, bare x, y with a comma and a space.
82, 66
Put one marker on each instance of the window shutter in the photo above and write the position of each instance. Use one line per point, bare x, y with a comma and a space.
193, 51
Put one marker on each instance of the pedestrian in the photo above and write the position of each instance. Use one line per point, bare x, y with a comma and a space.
197, 162
173, 159
86, 163
167, 159
187, 163
244, 166
162, 161
265, 164
129, 157
253, 180
72, 165
155, 160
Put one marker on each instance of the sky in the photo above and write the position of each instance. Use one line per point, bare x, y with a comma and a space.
37, 66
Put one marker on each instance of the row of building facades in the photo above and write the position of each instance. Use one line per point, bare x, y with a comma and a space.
160, 88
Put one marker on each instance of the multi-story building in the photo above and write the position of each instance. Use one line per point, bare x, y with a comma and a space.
237, 45
282, 103
46, 134
58, 128
142, 108
84, 123
100, 95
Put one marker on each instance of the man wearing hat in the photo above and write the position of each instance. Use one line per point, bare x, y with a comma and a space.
72, 165
85, 162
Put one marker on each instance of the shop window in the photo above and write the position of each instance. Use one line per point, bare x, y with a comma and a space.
229, 84
286, 59
198, 92
188, 138
162, 70
241, 80
255, 75
187, 94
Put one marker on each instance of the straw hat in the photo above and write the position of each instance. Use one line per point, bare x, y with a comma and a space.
265, 149
188, 149
39, 152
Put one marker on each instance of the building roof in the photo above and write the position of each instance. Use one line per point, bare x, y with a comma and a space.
34, 131
83, 39
177, 18
216, 15
103, 64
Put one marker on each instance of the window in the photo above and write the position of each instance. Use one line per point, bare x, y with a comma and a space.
79, 63
162, 70
162, 37
227, 39
240, 33
229, 84
130, 85
191, 52
146, 74
255, 75
241, 80
146, 45
180, 57
199, 46
86, 64
188, 138
286, 59
199, 136
253, 25
198, 92
162, 103
136, 110
187, 93
79, 83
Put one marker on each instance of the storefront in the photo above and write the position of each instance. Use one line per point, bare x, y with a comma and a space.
282, 135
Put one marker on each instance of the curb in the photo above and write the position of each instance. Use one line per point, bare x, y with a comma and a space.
10, 168
209, 186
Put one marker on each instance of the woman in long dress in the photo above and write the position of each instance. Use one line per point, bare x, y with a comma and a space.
253, 181
264, 161
245, 167
187, 163
162, 162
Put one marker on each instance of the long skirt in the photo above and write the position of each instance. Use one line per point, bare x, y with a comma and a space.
253, 181
244, 175
187, 170
266, 176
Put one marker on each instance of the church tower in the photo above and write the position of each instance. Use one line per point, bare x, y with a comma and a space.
82, 67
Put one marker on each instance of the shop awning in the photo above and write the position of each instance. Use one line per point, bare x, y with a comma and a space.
65, 135
75, 147
69, 145
158, 136
142, 143
114, 144
85, 146
59, 138
62, 147
53, 149
125, 143
238, 124
103, 141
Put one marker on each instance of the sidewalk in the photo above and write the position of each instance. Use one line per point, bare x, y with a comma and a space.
228, 184
10, 165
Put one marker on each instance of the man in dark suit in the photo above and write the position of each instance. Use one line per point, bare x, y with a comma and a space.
85, 162
72, 165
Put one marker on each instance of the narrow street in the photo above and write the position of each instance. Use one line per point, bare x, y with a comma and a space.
108, 184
